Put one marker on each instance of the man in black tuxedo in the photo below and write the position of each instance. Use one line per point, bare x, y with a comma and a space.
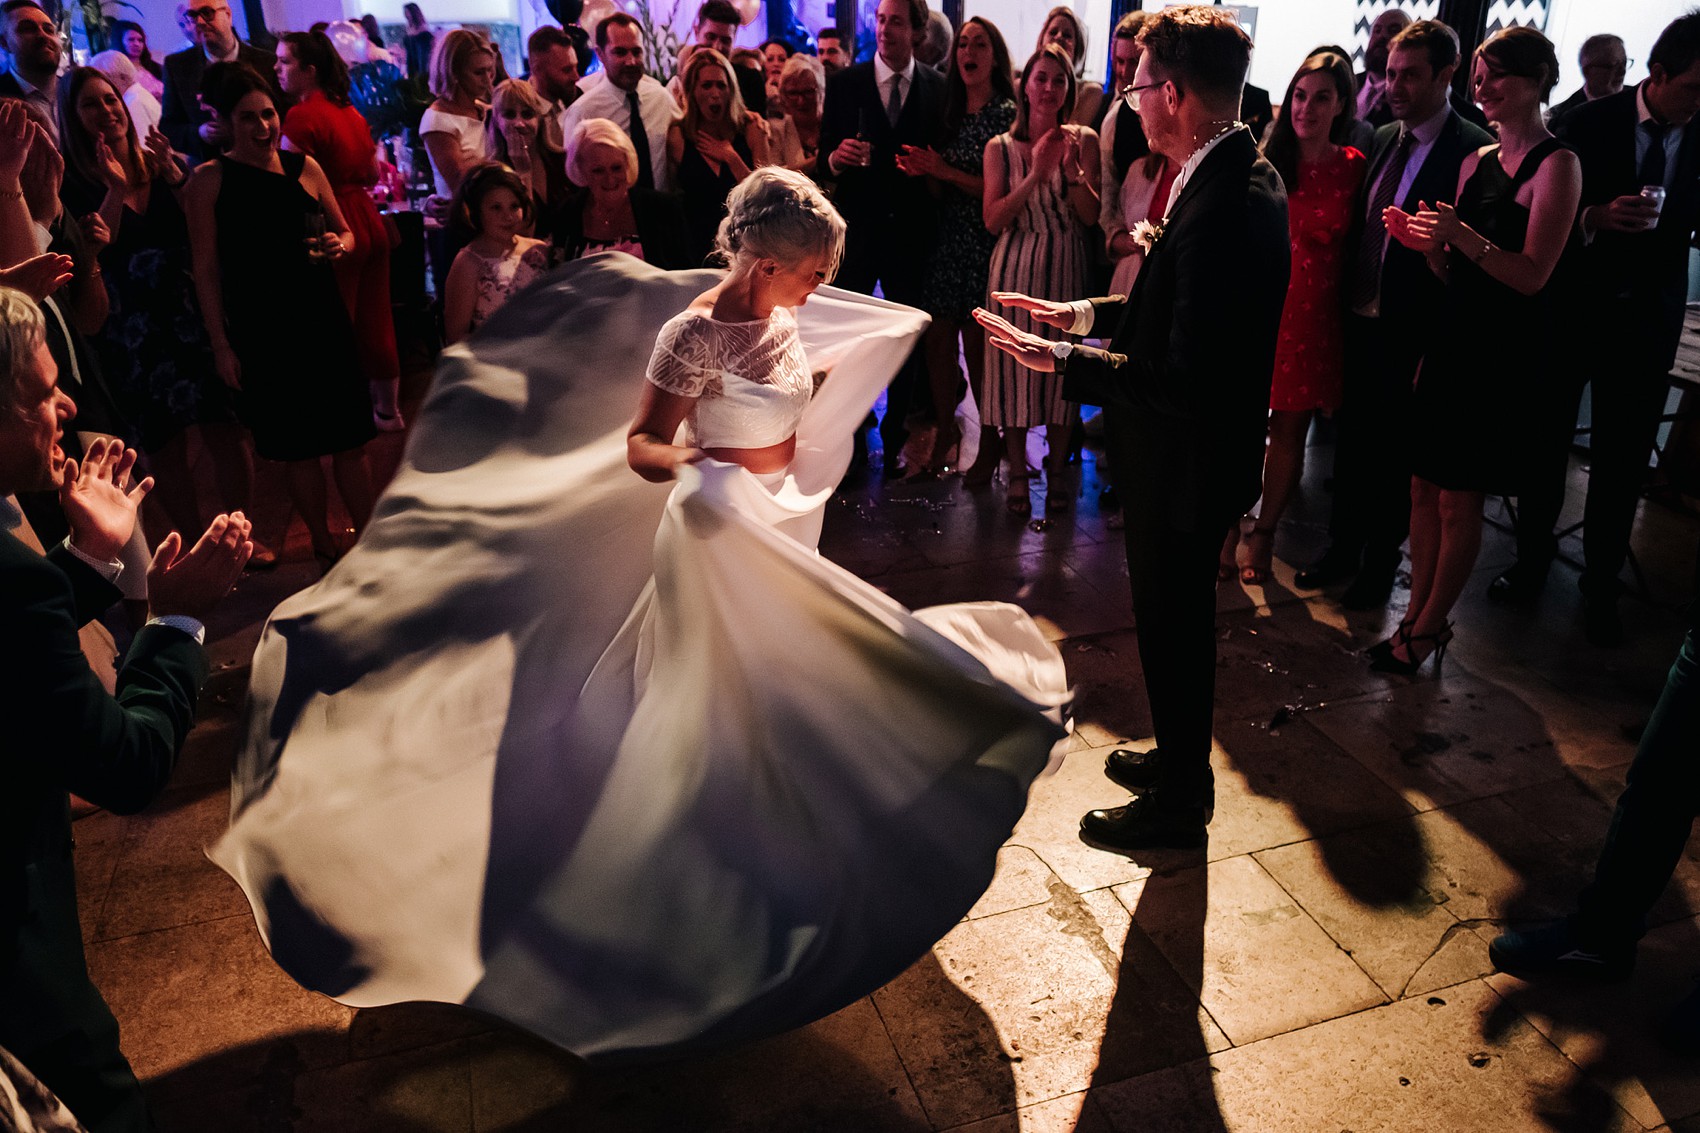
1604, 61
1185, 391
64, 733
873, 111
32, 49
1632, 279
1392, 297
193, 129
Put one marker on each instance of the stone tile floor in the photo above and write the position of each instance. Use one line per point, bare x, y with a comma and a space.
1322, 966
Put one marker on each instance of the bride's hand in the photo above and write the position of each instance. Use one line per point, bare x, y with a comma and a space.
687, 456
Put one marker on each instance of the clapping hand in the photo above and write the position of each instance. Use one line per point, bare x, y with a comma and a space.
1421, 232
108, 165
42, 176
1028, 349
17, 136
1049, 151
162, 159
1051, 314
192, 583
919, 161
96, 232
99, 502
39, 277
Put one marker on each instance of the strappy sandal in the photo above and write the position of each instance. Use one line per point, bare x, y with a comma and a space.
1022, 504
1256, 572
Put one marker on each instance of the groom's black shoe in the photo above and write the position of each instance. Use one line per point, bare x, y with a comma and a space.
1135, 770
1147, 823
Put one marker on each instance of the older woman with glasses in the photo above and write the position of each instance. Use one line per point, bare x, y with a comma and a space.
802, 92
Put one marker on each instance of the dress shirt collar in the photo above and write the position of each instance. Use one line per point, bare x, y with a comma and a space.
883, 72
1429, 129
1644, 113
1192, 163
229, 56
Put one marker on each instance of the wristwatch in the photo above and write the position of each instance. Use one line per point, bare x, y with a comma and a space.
1061, 350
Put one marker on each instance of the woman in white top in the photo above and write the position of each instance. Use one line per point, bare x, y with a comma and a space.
629, 764
463, 72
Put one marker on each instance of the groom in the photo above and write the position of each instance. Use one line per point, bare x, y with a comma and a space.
1185, 391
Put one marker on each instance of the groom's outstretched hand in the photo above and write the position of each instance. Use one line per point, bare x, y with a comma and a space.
1052, 314
1028, 349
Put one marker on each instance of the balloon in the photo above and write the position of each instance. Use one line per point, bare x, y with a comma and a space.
349, 39
595, 11
748, 10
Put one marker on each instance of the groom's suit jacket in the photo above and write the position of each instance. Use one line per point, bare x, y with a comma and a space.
1185, 384
60, 731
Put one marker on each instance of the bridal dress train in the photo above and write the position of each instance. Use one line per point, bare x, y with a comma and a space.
626, 764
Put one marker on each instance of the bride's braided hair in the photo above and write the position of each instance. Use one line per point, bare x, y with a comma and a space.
779, 214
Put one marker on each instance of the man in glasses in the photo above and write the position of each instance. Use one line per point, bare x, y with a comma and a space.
1605, 63
186, 121
32, 44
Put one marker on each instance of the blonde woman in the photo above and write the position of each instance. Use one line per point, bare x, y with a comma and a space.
713, 147
607, 211
802, 92
463, 71
513, 135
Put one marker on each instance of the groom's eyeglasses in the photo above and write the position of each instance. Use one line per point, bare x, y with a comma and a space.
1130, 93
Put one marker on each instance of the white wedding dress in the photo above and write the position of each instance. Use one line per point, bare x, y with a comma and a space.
628, 765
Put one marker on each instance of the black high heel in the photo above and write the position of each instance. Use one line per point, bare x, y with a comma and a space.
1392, 664
1401, 635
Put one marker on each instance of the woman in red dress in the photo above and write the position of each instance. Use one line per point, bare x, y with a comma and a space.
1323, 178
325, 126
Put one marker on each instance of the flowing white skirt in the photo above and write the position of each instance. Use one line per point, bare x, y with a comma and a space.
626, 764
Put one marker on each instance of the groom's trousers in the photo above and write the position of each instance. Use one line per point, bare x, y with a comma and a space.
1173, 576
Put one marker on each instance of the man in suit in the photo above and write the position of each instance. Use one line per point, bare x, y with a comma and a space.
65, 733
873, 110
835, 54
193, 129
1185, 391
1392, 297
32, 46
1604, 62
1632, 276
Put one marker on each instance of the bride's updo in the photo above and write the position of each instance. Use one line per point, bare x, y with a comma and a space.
779, 214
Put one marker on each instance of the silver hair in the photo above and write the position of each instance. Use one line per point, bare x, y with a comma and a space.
779, 214
22, 331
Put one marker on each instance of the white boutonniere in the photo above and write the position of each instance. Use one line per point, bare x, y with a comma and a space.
1146, 234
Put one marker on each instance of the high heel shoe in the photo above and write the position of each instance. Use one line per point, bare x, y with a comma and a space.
1018, 504
947, 442
1408, 668
1401, 634
1260, 546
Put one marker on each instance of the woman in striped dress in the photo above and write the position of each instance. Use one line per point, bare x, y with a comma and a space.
1041, 196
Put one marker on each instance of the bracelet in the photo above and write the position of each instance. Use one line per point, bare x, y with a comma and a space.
11, 194
1487, 246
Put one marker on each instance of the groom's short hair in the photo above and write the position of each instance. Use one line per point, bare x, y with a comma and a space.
1199, 48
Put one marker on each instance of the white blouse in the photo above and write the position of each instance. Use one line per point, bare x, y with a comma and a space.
468, 133
750, 380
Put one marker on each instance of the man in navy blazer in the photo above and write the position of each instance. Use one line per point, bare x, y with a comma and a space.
1185, 391
1631, 280
873, 111
193, 130
1392, 298
63, 733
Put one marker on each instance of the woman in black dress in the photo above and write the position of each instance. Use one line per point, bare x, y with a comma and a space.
1475, 393
153, 346
264, 227
713, 147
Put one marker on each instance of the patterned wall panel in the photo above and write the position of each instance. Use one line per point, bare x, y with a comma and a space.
1512, 13
1368, 10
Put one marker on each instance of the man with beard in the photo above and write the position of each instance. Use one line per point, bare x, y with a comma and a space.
32, 45
628, 97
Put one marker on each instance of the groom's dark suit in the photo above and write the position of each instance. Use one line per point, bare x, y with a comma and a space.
1185, 391
60, 732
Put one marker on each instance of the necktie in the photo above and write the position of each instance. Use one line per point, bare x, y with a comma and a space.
894, 103
1653, 165
640, 142
1366, 274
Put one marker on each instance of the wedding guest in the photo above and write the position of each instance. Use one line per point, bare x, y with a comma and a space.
873, 109
324, 125
265, 228
713, 147
193, 129
1604, 62
1390, 290
65, 734
418, 40
1063, 28
496, 204
774, 55
513, 135
463, 73
1323, 179
143, 107
802, 90
153, 350
979, 106
1185, 400
32, 51
553, 61
835, 54
1373, 106
1496, 253
1133, 185
934, 45
624, 94
715, 26
1040, 197
376, 52
132, 40
607, 211
1632, 284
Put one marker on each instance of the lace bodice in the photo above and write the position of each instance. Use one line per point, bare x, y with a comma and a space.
750, 380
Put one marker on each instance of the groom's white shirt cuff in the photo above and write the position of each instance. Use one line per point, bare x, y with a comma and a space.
1083, 316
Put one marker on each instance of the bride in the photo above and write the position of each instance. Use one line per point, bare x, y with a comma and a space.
620, 758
